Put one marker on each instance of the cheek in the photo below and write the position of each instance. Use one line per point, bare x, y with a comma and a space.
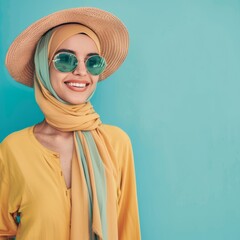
51, 73
54, 76
95, 79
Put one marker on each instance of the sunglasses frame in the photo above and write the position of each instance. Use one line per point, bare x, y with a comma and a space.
68, 53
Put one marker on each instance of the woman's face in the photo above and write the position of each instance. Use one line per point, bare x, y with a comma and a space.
76, 86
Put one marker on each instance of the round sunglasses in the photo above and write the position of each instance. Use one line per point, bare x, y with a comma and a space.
68, 62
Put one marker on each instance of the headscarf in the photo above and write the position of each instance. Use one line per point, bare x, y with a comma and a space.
90, 164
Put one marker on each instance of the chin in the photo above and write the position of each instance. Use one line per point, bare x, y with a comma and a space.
74, 101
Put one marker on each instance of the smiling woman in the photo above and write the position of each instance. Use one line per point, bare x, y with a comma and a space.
69, 176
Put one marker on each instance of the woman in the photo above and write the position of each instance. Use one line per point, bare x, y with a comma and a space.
70, 176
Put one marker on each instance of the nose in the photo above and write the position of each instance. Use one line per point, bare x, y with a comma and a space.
80, 69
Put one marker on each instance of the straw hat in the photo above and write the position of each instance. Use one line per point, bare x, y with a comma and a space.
112, 34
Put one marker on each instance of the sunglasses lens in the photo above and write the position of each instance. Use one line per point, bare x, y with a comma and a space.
65, 62
95, 65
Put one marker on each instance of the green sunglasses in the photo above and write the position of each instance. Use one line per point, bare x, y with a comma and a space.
68, 62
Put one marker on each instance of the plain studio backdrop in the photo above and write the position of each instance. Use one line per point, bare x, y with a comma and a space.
177, 95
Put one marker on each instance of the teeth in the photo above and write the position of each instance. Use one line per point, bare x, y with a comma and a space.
80, 85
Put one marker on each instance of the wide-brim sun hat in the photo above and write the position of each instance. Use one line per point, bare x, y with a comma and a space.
112, 34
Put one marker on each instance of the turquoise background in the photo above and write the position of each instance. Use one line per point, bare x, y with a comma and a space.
177, 96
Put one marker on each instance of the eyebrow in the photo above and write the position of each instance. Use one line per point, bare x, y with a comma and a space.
73, 52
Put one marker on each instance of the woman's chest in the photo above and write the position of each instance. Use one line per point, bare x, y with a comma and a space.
63, 149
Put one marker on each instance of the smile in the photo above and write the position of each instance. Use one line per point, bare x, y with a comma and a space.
78, 85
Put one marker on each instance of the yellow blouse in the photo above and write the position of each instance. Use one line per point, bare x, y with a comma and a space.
32, 183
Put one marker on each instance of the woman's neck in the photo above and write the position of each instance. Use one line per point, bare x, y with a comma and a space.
46, 129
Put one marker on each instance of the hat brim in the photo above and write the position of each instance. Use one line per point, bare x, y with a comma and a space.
112, 34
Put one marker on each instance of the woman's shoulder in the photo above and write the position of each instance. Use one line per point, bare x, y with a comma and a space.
16, 137
14, 145
116, 134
